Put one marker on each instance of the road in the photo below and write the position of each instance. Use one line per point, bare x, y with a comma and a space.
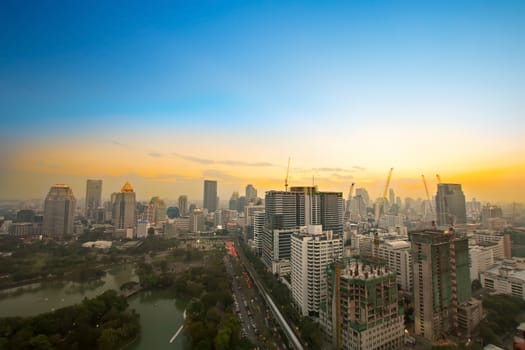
294, 340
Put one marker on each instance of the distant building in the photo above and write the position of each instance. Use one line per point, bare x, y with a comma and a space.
481, 258
59, 211
210, 195
450, 205
197, 221
312, 250
183, 205
173, 212
251, 193
441, 281
507, 277
25, 215
361, 310
156, 211
23, 229
93, 198
234, 201
124, 210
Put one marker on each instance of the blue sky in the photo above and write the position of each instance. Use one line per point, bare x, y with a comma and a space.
383, 68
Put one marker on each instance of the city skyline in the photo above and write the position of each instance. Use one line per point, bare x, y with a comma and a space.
167, 96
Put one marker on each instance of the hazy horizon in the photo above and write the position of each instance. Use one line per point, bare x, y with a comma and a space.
169, 94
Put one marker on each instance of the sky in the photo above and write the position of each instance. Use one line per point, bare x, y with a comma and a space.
165, 94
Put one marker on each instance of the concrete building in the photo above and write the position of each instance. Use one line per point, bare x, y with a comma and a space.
450, 205
182, 224
197, 221
183, 205
124, 210
258, 230
251, 193
470, 314
441, 281
276, 249
156, 211
59, 211
23, 229
361, 310
312, 251
507, 277
210, 195
397, 254
93, 198
481, 258
499, 242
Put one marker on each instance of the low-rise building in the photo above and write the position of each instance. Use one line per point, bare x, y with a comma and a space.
506, 277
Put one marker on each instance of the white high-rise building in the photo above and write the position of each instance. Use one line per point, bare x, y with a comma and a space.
312, 251
258, 227
481, 258
398, 256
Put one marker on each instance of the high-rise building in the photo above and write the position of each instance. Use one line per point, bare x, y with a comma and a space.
397, 254
332, 211
197, 221
249, 217
441, 281
312, 250
284, 209
59, 211
183, 205
156, 211
124, 210
234, 201
450, 205
391, 197
251, 193
363, 193
361, 310
93, 198
210, 195
258, 227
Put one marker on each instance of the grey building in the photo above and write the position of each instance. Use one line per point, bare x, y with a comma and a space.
59, 211
183, 205
450, 205
210, 195
124, 210
93, 198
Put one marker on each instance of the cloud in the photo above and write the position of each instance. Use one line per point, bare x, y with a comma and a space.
358, 168
220, 175
116, 143
155, 154
49, 166
223, 162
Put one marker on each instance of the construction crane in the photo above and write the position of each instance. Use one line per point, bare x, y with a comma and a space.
351, 191
428, 194
378, 213
286, 178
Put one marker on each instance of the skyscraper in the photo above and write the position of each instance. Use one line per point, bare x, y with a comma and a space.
441, 281
210, 195
93, 197
124, 210
156, 211
183, 205
251, 193
450, 205
59, 211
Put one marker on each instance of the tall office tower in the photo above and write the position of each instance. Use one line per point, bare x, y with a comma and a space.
249, 217
284, 209
364, 196
156, 211
361, 310
234, 201
124, 210
93, 198
450, 205
441, 281
183, 205
210, 195
312, 204
59, 211
332, 211
312, 251
258, 227
397, 254
251, 193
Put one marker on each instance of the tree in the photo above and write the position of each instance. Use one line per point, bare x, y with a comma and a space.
476, 285
151, 232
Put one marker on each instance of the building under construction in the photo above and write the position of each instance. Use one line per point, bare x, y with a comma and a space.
361, 309
441, 282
